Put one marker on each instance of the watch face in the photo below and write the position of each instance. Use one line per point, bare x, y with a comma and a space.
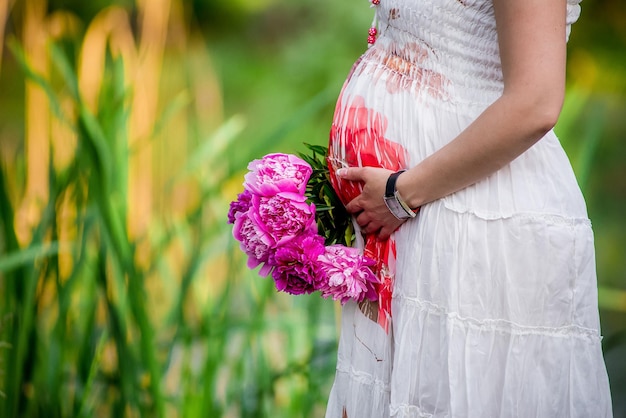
395, 208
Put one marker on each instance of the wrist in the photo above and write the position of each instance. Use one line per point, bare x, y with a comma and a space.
405, 188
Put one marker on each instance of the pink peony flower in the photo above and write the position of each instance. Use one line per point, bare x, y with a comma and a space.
347, 274
278, 173
277, 230
294, 264
254, 241
241, 205
283, 216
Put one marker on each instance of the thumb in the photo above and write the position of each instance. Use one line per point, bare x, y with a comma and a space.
352, 173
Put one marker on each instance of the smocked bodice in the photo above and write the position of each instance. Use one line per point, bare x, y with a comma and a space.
454, 41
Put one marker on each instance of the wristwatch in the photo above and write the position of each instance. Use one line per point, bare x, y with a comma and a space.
396, 205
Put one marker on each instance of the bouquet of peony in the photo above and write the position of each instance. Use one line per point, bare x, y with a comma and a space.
289, 221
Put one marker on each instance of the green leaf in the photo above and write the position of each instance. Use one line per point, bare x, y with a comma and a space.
333, 221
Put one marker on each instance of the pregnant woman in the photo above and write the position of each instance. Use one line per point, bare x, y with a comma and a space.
442, 150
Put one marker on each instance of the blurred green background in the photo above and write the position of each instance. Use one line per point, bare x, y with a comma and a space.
125, 130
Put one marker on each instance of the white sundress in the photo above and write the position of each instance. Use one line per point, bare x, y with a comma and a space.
492, 311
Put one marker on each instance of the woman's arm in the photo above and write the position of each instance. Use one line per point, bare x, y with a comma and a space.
532, 42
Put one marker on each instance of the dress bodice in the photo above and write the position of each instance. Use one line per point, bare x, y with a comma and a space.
453, 40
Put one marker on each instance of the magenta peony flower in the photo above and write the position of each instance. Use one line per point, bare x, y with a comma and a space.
241, 205
347, 274
283, 216
278, 173
277, 230
294, 264
254, 241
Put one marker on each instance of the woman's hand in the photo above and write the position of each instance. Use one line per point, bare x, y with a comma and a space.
369, 207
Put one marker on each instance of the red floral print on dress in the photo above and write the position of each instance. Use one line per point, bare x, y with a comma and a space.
404, 70
357, 139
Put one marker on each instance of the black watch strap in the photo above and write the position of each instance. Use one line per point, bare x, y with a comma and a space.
390, 189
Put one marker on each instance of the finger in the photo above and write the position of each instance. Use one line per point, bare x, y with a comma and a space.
351, 173
362, 219
354, 206
371, 229
384, 234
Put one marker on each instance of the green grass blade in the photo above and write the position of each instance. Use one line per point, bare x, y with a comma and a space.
28, 256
